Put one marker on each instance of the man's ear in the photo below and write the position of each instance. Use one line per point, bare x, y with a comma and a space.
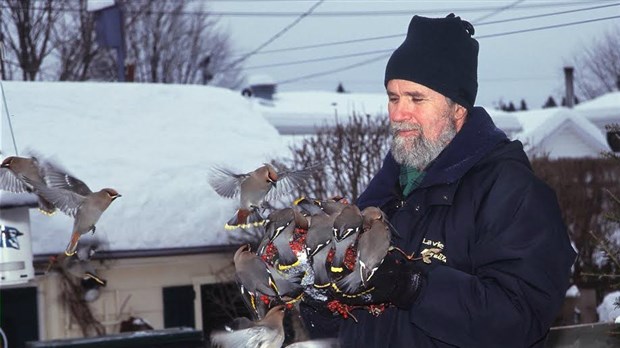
460, 113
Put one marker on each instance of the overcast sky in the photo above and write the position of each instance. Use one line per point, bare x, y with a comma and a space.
511, 66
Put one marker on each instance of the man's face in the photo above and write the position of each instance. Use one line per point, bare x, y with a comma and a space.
422, 122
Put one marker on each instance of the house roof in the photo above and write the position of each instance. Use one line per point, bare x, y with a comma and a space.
153, 143
541, 125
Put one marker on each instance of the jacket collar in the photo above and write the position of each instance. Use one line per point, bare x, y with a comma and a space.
477, 137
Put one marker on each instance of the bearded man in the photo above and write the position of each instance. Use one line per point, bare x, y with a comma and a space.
457, 190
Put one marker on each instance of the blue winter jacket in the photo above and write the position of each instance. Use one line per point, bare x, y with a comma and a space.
501, 256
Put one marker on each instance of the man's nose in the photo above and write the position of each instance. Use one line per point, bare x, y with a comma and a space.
399, 112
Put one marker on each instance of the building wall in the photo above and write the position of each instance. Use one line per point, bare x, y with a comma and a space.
134, 288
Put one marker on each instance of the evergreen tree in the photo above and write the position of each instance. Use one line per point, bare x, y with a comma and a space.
340, 88
523, 105
511, 107
550, 103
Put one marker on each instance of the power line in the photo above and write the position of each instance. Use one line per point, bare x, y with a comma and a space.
407, 12
499, 10
277, 35
315, 60
348, 67
480, 37
373, 38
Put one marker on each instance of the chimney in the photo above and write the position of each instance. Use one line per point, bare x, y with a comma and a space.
568, 81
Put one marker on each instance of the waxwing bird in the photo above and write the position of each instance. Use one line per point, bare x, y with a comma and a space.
265, 333
84, 205
319, 267
263, 184
12, 171
347, 226
311, 207
281, 225
372, 247
257, 276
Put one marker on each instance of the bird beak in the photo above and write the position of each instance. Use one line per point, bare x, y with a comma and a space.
115, 197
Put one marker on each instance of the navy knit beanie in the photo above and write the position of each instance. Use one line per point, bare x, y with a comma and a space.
440, 54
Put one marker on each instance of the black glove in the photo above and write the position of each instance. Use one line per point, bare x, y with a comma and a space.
397, 281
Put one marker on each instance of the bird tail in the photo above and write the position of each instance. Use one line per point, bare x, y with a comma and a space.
245, 218
321, 277
46, 207
351, 282
73, 243
96, 278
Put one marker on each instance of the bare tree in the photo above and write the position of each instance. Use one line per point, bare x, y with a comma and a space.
176, 42
351, 152
597, 65
27, 28
74, 39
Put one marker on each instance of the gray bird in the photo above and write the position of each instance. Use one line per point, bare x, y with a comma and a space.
265, 333
75, 199
12, 171
372, 247
319, 268
280, 227
263, 184
331, 206
347, 226
255, 275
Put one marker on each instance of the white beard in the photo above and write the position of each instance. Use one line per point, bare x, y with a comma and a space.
418, 152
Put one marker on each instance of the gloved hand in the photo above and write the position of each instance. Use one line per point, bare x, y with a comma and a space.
397, 281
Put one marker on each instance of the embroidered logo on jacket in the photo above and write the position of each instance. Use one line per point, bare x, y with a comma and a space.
434, 251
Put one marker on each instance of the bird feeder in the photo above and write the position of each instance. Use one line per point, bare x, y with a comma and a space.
15, 247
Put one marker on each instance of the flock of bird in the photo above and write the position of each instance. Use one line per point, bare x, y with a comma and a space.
316, 250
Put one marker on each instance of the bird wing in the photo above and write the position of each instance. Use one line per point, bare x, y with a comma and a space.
257, 336
10, 182
55, 177
226, 183
288, 180
65, 200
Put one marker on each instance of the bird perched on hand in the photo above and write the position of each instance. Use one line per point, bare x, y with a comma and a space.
257, 276
12, 171
372, 247
73, 197
265, 333
253, 188
279, 230
347, 226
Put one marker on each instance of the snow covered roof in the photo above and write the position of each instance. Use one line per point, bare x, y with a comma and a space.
544, 126
153, 143
601, 111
